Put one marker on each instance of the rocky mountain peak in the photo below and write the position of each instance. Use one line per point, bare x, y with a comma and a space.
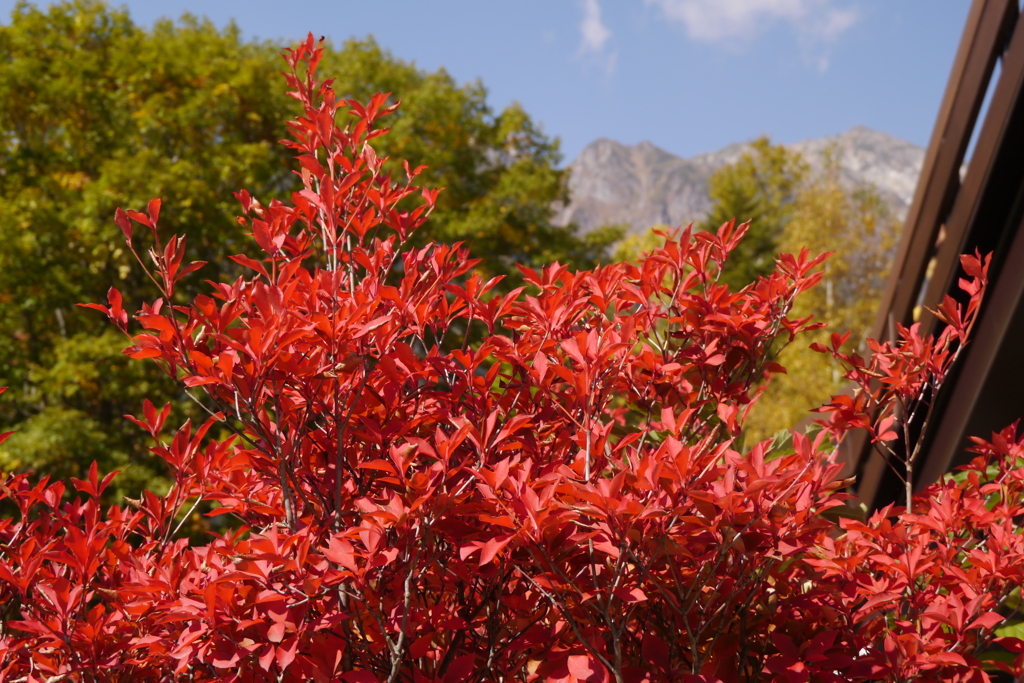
642, 185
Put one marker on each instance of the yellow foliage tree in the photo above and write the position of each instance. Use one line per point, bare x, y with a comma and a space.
635, 244
860, 228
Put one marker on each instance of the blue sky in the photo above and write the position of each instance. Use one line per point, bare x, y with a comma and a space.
689, 75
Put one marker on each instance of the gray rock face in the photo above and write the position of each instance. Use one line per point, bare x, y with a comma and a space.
643, 185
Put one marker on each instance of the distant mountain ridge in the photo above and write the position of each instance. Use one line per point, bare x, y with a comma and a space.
642, 185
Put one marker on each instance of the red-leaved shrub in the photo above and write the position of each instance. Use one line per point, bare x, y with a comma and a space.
428, 481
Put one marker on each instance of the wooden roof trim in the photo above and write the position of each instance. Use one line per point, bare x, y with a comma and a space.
979, 170
989, 21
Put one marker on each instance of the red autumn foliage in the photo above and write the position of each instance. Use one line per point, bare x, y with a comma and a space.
431, 482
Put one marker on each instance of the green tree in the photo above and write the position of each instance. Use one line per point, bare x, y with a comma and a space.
759, 187
96, 113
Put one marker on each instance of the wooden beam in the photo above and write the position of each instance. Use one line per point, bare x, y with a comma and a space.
988, 24
962, 221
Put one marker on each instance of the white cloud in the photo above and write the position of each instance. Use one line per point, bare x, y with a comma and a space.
817, 22
595, 33
835, 22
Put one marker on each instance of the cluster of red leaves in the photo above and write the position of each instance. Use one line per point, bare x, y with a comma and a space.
432, 482
924, 587
897, 385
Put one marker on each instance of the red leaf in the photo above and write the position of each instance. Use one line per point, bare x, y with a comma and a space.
492, 547
154, 210
199, 380
141, 353
340, 552
140, 218
460, 670
656, 651
98, 307
372, 325
947, 658
285, 652
630, 594
123, 222
190, 268
582, 666
250, 263
266, 657
1014, 645
987, 621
